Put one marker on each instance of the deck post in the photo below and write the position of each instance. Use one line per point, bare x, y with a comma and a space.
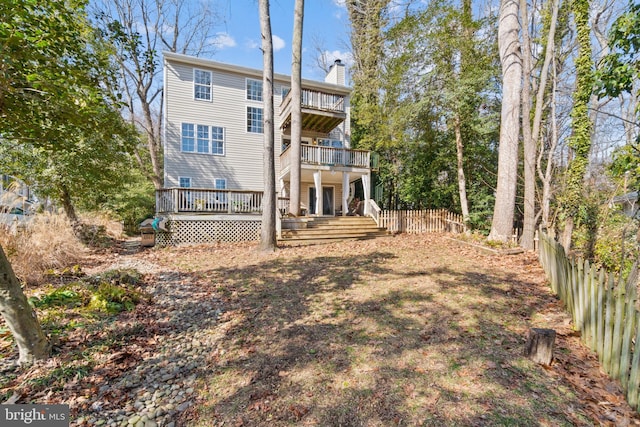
176, 200
366, 187
317, 179
345, 193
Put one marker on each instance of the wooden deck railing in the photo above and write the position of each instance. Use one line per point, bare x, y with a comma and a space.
603, 309
317, 100
175, 200
421, 221
328, 156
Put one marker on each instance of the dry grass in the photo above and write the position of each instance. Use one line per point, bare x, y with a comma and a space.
414, 330
405, 331
45, 242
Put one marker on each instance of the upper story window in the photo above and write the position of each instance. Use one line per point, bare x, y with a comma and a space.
202, 139
284, 91
254, 120
202, 84
254, 90
185, 182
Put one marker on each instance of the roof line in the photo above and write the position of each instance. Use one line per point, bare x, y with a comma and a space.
193, 60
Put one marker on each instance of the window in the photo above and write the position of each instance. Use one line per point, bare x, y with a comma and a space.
284, 91
202, 84
188, 144
220, 183
202, 139
254, 119
185, 182
217, 140
254, 90
325, 142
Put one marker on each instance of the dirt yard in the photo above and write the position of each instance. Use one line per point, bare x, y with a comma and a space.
412, 330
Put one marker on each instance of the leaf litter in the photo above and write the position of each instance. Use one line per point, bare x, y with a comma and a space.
407, 330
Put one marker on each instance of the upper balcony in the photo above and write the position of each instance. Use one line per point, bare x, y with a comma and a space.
321, 111
328, 156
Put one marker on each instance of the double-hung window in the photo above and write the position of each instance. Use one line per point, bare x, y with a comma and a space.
254, 120
188, 138
217, 140
254, 90
202, 85
202, 139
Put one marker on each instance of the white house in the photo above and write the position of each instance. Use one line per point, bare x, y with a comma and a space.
213, 148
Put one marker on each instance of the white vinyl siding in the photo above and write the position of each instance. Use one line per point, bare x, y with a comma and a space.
241, 162
239, 153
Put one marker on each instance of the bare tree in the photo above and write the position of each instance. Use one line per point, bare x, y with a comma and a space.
296, 108
510, 58
268, 233
140, 30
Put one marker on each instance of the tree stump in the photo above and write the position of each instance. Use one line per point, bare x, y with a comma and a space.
539, 346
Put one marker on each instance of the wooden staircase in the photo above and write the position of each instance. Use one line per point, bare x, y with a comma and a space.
326, 229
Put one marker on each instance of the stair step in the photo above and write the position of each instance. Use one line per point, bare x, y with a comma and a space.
327, 229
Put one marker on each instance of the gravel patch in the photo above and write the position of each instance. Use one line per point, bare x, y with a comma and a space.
162, 385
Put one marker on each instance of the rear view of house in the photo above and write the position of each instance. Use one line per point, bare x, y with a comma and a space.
213, 165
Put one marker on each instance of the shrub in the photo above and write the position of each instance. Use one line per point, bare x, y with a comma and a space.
45, 242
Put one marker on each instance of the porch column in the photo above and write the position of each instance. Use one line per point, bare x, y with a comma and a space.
283, 189
317, 180
366, 187
345, 193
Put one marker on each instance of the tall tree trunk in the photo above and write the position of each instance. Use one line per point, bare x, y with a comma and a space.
467, 22
20, 317
537, 118
462, 183
547, 175
529, 144
509, 46
67, 204
268, 233
296, 109
581, 126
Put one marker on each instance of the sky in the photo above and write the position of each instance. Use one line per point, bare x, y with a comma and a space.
325, 28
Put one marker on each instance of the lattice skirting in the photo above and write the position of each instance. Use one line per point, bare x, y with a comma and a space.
208, 231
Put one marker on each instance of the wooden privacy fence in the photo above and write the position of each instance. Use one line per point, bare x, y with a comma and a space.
421, 221
603, 309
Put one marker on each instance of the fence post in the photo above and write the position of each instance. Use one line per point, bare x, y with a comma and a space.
608, 326
600, 316
617, 330
634, 377
629, 326
593, 304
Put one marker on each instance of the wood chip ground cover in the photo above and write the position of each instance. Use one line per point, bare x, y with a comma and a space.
410, 330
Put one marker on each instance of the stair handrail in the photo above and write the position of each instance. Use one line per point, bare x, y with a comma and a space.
374, 211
